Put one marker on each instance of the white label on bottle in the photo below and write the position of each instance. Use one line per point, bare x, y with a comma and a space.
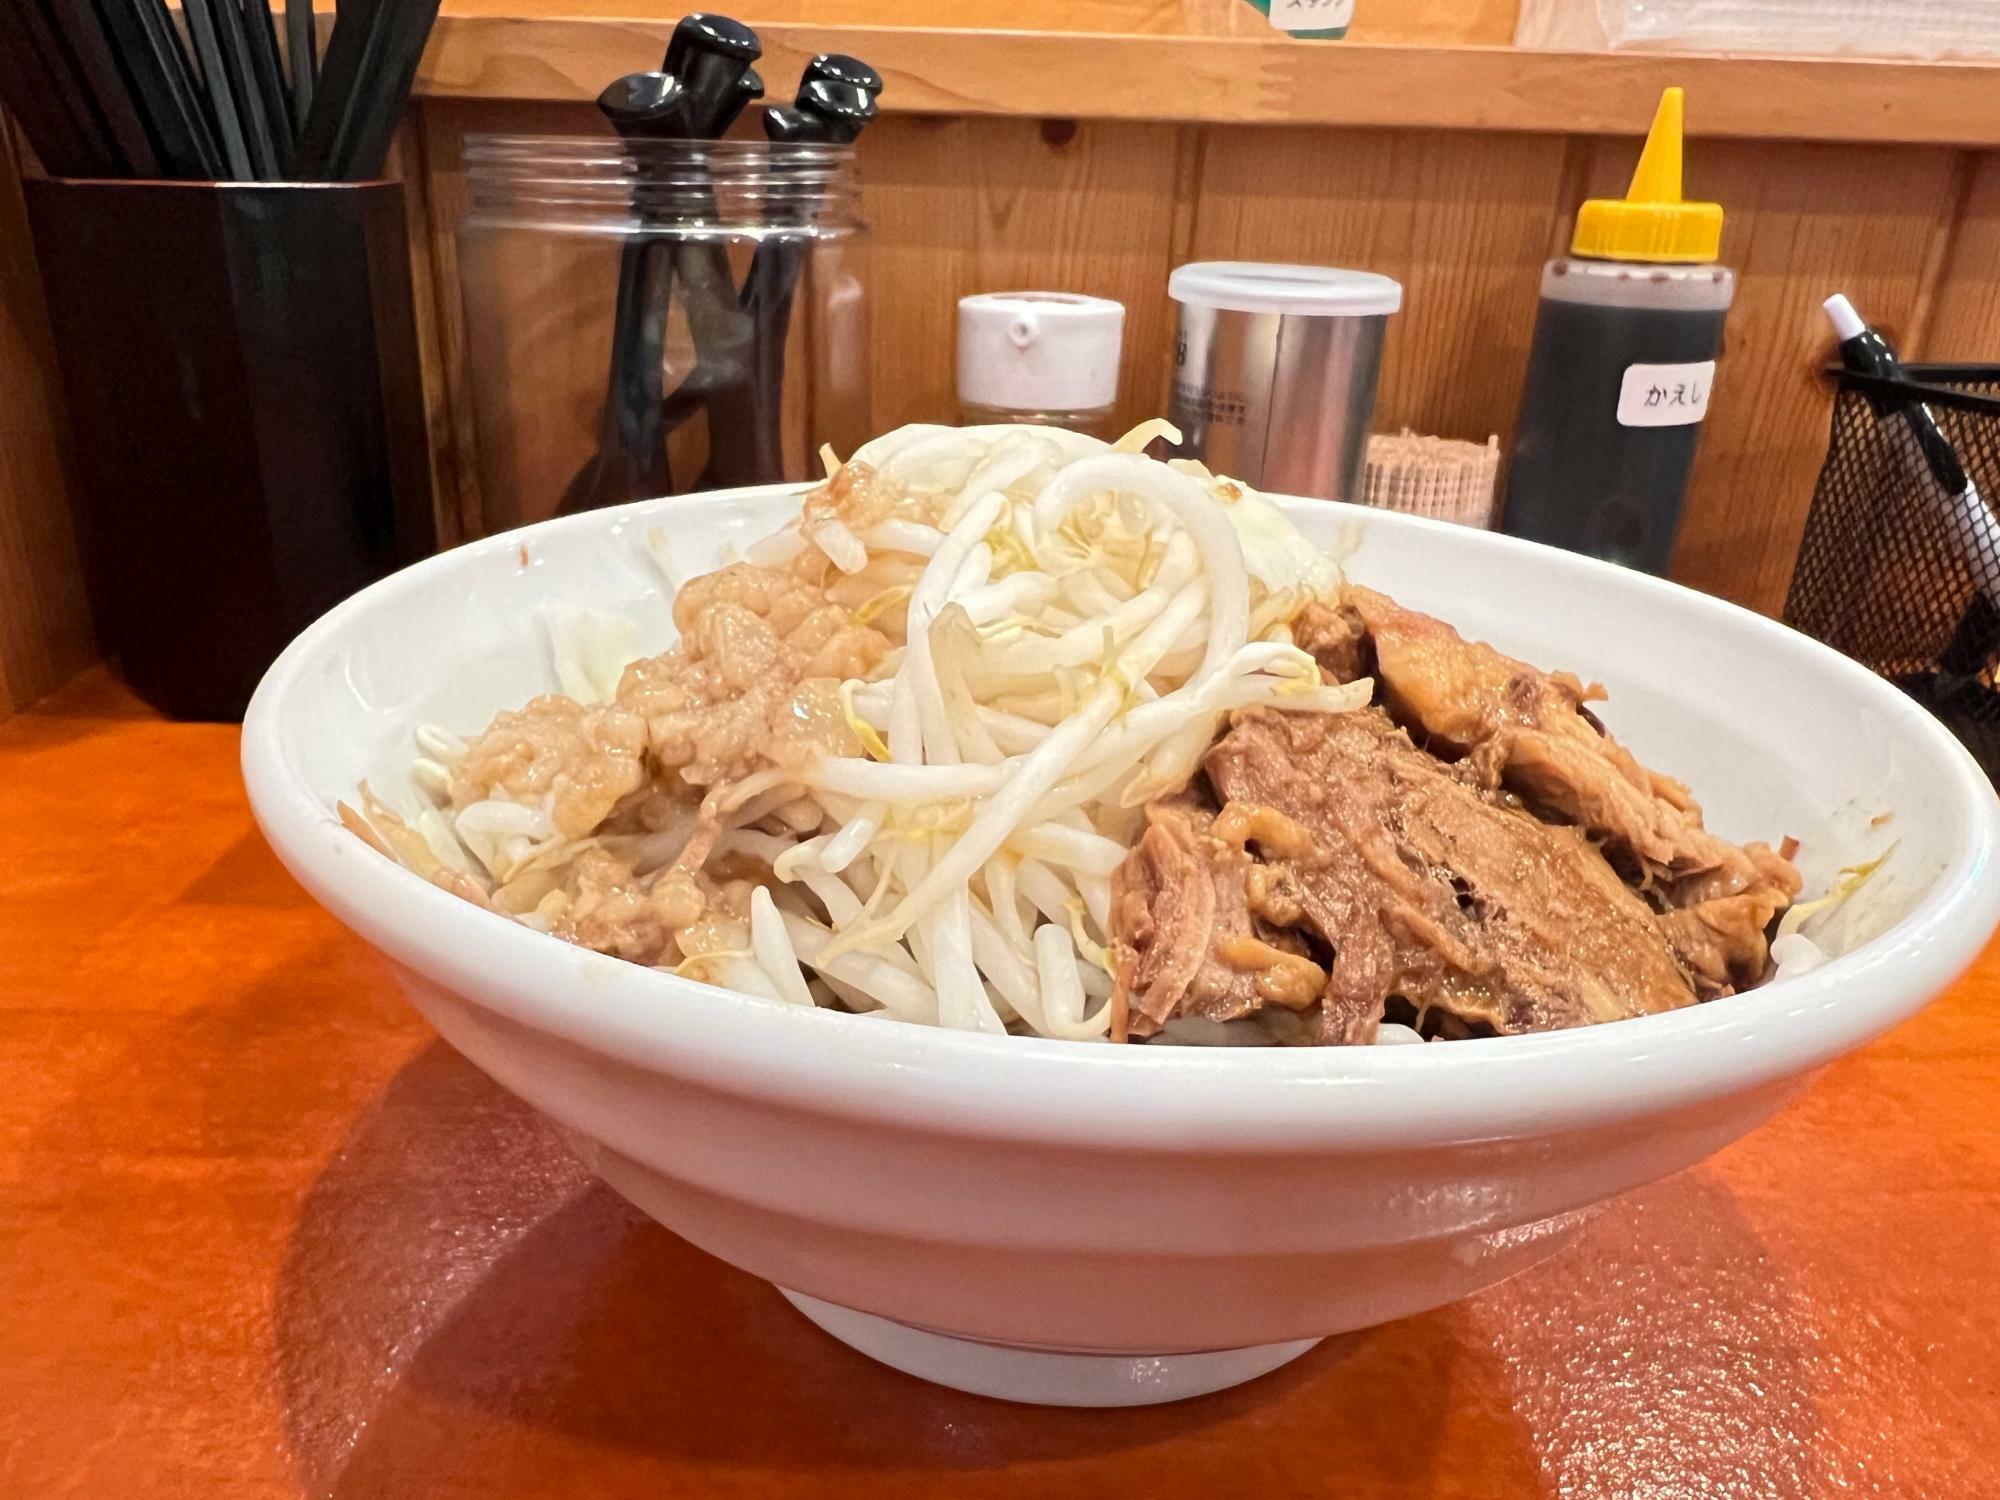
1665, 395
1311, 15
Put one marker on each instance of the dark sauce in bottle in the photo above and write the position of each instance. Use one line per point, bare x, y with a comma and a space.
1621, 369
1580, 478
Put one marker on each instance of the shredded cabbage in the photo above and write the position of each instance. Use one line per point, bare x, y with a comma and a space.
591, 648
1846, 885
1071, 622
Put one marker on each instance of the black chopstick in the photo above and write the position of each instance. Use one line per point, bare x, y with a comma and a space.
339, 76
222, 105
98, 152
262, 33
81, 30
257, 127
35, 99
835, 103
401, 30
108, 88
156, 70
364, 81
631, 455
302, 54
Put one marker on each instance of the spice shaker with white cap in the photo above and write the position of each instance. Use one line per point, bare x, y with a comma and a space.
1046, 357
1275, 369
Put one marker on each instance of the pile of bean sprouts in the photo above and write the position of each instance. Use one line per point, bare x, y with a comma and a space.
1080, 620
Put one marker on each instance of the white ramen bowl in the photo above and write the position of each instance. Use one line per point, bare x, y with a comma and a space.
1084, 1224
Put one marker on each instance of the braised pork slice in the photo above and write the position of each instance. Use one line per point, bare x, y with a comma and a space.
1528, 730
1337, 639
1344, 845
1196, 912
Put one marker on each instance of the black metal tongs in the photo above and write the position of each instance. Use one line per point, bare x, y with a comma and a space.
631, 456
834, 104
705, 82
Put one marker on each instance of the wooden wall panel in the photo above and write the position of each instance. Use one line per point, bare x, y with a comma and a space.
966, 203
1464, 222
1437, 22
955, 206
44, 622
1962, 321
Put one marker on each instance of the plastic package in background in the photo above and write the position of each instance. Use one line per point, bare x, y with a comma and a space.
1443, 478
1309, 20
1223, 18
1854, 28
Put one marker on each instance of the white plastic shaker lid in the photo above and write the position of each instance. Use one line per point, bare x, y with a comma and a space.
1039, 351
1255, 286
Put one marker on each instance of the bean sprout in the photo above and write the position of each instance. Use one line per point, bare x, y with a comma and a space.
1069, 624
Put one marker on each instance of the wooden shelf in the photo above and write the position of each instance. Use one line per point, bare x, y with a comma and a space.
529, 53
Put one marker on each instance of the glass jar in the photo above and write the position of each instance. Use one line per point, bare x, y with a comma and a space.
655, 317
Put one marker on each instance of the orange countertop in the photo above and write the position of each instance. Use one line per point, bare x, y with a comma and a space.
262, 1234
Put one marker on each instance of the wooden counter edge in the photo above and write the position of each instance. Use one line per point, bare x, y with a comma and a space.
1257, 81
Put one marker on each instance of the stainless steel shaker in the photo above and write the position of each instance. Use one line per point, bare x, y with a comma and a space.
1275, 369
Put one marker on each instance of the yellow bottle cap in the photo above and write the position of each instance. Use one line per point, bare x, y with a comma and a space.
1651, 222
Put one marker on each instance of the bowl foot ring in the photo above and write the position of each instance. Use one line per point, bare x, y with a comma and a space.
1044, 1377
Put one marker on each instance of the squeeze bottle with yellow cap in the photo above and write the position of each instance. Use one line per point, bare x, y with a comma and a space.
1622, 367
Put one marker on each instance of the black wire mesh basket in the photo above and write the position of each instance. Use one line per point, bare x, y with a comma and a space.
1900, 565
